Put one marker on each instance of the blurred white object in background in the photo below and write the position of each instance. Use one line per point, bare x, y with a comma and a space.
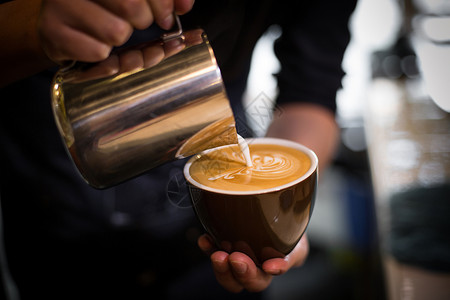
431, 40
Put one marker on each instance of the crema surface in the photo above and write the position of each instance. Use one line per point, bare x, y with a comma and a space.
273, 165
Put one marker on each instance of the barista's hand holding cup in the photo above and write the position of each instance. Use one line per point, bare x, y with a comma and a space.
260, 208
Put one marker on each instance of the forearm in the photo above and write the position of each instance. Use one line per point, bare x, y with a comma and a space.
311, 125
20, 54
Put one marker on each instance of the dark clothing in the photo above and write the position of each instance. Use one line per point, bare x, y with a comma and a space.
67, 240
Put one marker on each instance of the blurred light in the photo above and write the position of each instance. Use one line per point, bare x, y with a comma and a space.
384, 101
434, 62
403, 154
433, 6
354, 138
431, 173
376, 23
409, 66
436, 28
391, 66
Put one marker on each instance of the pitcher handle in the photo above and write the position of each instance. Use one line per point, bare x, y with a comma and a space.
176, 34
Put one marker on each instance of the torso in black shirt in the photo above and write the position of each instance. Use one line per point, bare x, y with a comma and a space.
63, 236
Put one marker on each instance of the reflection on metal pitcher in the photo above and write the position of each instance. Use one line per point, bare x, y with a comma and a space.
141, 107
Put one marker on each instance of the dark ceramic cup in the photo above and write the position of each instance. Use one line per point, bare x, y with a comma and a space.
263, 224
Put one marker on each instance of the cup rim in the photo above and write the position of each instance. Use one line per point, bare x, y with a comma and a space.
263, 140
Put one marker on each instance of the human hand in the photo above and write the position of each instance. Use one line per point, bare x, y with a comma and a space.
130, 59
87, 30
236, 271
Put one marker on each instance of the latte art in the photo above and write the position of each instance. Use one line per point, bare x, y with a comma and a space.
272, 165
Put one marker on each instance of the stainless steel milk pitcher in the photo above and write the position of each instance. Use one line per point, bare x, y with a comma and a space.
141, 107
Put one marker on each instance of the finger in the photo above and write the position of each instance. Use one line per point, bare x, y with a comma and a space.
297, 257
74, 45
107, 67
183, 6
131, 60
152, 56
101, 24
300, 253
206, 244
173, 47
136, 12
247, 273
223, 272
86, 17
162, 11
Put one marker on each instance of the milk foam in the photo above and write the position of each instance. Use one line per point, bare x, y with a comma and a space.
245, 150
271, 166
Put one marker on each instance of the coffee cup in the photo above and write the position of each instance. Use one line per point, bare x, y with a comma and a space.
262, 210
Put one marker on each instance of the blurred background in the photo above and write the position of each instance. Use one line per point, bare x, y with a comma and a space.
381, 224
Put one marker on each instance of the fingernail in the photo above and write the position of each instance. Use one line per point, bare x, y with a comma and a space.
239, 267
174, 43
219, 266
205, 247
273, 271
167, 23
